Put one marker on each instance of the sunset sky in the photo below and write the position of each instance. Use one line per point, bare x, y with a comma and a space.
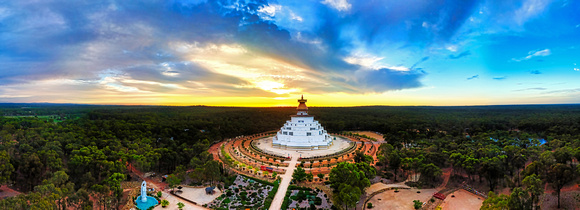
268, 53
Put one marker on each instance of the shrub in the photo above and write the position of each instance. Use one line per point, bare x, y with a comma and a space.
164, 203
271, 194
286, 202
318, 201
259, 181
417, 204
294, 187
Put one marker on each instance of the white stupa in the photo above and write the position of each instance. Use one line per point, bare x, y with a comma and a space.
302, 132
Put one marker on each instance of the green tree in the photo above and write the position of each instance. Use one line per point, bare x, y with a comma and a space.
456, 160
355, 175
114, 183
559, 175
470, 165
413, 163
102, 194
348, 195
56, 188
495, 202
180, 205
519, 200
430, 172
31, 171
173, 181
492, 169
534, 186
299, 174
395, 163
320, 176
309, 177
360, 157
212, 170
563, 155
6, 167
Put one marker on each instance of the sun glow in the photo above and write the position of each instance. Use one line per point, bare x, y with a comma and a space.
275, 87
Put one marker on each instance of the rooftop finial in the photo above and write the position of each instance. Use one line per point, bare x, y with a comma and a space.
302, 97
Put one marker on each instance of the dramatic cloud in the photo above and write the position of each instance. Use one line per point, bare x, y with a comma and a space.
155, 51
166, 47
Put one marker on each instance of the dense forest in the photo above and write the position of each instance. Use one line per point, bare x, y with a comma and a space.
67, 153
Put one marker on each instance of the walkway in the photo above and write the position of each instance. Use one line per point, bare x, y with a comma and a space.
173, 200
286, 178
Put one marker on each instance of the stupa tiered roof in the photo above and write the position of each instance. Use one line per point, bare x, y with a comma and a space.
302, 131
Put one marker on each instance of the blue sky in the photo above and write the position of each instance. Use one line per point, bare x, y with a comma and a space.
267, 53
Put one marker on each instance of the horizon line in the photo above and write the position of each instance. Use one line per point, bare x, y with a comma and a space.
241, 106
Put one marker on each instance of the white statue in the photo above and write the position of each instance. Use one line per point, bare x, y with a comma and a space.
144, 192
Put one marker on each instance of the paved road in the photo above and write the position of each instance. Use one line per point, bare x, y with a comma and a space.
286, 178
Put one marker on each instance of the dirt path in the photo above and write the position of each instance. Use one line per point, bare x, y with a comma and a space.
154, 183
5, 192
446, 174
286, 178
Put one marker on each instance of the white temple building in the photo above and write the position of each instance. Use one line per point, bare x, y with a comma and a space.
302, 132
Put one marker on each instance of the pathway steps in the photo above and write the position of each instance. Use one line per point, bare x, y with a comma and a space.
283, 187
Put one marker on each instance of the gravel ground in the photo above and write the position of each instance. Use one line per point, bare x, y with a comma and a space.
568, 200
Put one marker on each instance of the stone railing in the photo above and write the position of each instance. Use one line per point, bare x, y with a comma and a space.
474, 191
348, 150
